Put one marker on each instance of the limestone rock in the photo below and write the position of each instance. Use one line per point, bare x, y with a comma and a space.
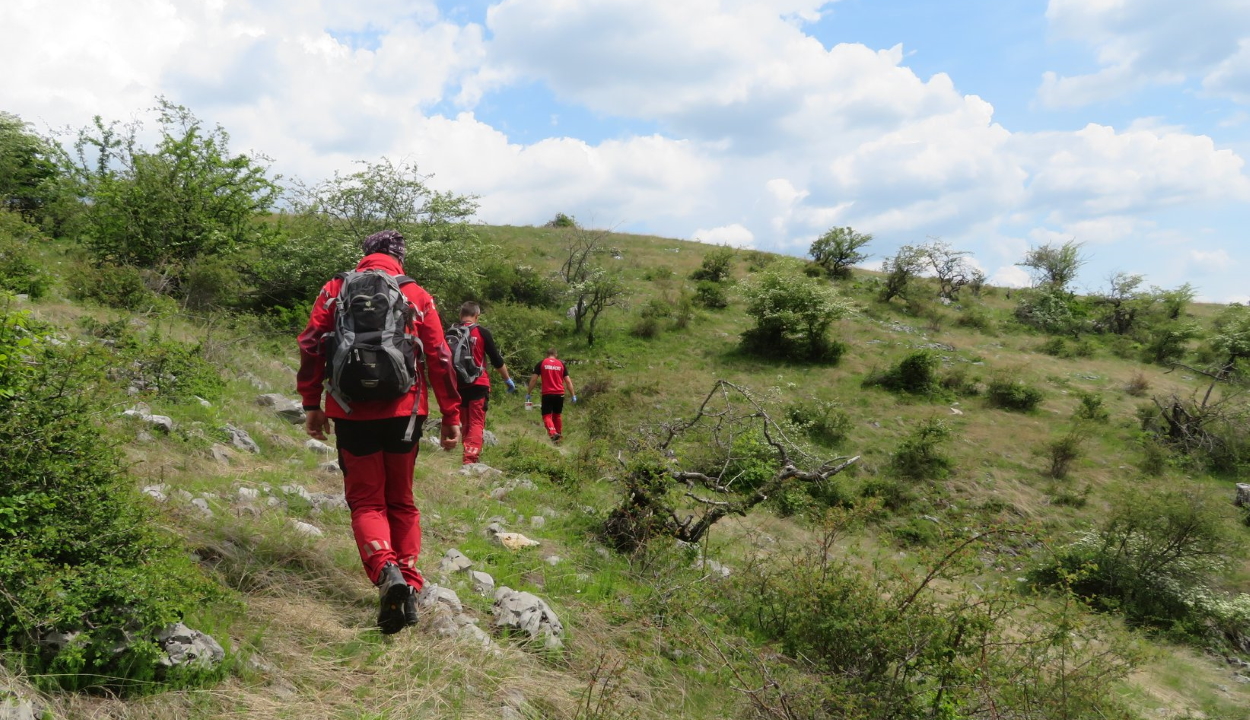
220, 453
144, 414
185, 646
318, 447
552, 560
13, 706
247, 494
157, 492
1243, 495
480, 470
203, 402
294, 489
202, 505
514, 541
483, 583
329, 466
432, 596
323, 502
538, 521
454, 561
530, 615
489, 439
241, 440
304, 528
474, 635
283, 407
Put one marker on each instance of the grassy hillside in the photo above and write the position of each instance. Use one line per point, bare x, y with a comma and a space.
648, 635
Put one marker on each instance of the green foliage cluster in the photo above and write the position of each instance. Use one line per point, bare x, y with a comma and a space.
20, 271
1013, 394
711, 295
888, 643
824, 422
28, 170
920, 455
792, 316
916, 373
1155, 560
839, 249
717, 266
530, 457
79, 552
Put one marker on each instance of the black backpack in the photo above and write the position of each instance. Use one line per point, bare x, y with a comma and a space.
372, 354
460, 339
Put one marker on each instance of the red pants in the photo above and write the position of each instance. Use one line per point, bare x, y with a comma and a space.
377, 481
553, 414
472, 425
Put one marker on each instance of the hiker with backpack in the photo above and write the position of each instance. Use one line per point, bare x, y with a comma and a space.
373, 341
471, 345
555, 379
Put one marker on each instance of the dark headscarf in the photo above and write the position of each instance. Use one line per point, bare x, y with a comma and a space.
390, 242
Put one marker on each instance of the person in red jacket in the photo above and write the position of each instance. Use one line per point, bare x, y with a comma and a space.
555, 380
475, 397
375, 455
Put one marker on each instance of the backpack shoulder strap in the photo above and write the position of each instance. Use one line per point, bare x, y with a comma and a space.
404, 280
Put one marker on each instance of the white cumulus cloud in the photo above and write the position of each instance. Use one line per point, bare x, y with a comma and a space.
734, 235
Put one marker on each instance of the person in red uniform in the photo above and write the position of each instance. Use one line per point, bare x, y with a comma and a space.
376, 460
475, 397
555, 381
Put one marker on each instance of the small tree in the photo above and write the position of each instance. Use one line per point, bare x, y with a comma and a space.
602, 290
838, 249
186, 197
27, 167
792, 316
950, 267
1054, 265
717, 266
1122, 303
901, 270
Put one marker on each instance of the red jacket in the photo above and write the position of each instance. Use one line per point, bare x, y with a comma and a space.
436, 365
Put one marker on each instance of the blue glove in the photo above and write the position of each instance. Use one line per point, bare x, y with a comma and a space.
511, 385
529, 398
574, 399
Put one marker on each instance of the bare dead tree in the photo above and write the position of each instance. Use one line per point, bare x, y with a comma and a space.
664, 499
1207, 423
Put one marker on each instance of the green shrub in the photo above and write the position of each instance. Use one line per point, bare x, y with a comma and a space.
650, 320
917, 532
20, 271
976, 317
527, 456
522, 333
961, 381
518, 285
1169, 342
916, 374
657, 273
1092, 408
792, 316
118, 286
79, 552
1152, 559
812, 270
824, 422
717, 266
758, 260
920, 455
711, 295
1011, 394
1062, 452
561, 221
893, 494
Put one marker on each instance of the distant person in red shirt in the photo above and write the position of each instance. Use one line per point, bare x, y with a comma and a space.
475, 396
377, 438
555, 380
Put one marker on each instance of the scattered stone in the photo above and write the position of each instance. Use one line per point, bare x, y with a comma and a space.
184, 646
144, 436
241, 440
489, 439
304, 528
330, 466
220, 453
514, 541
1243, 495
475, 635
538, 521
713, 568
323, 502
454, 561
16, 707
444, 623
499, 493
247, 494
318, 447
552, 560
283, 407
481, 470
483, 583
202, 505
432, 596
510, 713
255, 381
272, 501
183, 495
521, 483
203, 402
530, 614
144, 414
494, 528
157, 492
299, 490
956, 411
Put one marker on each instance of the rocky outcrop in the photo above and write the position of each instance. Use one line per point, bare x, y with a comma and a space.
143, 413
185, 646
241, 440
1243, 495
530, 615
283, 407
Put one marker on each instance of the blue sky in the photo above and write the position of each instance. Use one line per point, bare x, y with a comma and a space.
996, 126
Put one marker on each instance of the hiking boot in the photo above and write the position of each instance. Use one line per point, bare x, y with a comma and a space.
410, 607
393, 591
556, 437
